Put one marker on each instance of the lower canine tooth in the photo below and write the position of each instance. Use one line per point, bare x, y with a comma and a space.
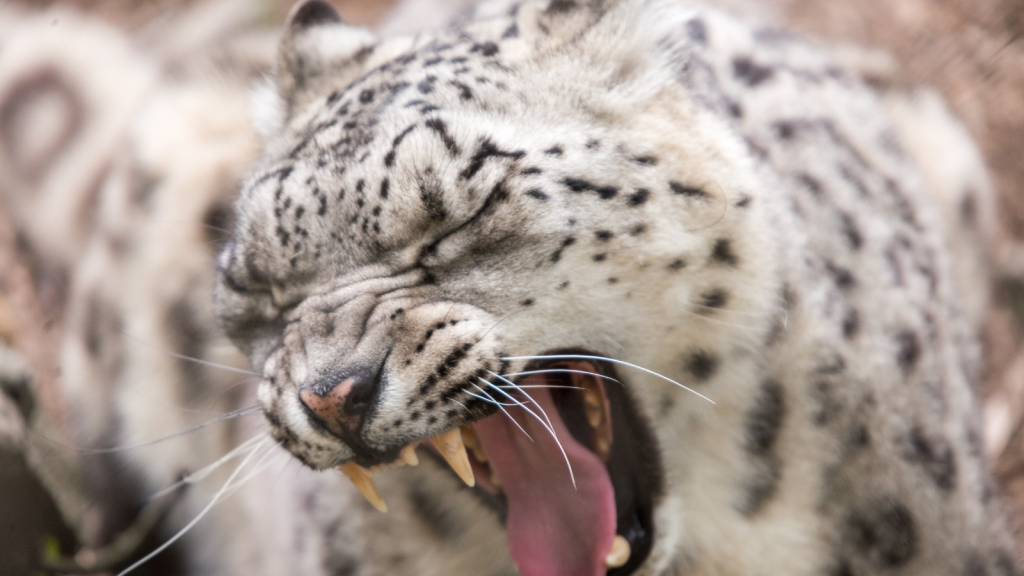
593, 407
363, 480
619, 554
409, 455
451, 447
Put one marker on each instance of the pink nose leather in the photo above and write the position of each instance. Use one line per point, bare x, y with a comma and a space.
329, 409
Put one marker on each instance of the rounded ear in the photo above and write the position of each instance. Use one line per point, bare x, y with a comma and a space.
557, 22
311, 13
318, 53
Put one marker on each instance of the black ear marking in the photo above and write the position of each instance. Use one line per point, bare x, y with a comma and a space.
312, 13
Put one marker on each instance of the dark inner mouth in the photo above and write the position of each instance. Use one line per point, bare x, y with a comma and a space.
601, 416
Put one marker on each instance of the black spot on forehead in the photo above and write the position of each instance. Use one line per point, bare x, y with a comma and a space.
554, 151
577, 184
684, 190
439, 127
639, 197
536, 193
603, 235
486, 150
464, 91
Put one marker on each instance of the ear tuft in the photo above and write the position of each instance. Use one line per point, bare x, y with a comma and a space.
312, 13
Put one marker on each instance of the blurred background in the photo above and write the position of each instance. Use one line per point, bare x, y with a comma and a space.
64, 182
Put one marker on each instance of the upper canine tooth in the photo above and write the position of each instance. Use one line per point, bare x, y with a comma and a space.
593, 407
619, 553
473, 443
450, 445
409, 455
363, 480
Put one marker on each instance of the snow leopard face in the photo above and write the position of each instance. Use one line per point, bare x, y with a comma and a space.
543, 237
438, 216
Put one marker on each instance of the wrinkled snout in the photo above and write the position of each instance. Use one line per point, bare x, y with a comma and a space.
357, 385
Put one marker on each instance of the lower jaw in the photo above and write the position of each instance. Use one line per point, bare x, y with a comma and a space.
631, 464
602, 523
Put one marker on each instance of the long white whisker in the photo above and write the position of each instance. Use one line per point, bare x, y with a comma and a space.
515, 386
489, 400
248, 411
202, 473
521, 387
191, 359
562, 371
605, 359
500, 407
183, 531
260, 465
550, 428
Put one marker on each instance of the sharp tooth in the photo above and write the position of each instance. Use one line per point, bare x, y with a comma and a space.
603, 443
473, 443
409, 455
619, 554
363, 480
593, 407
451, 447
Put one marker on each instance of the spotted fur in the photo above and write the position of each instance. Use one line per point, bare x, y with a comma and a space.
661, 183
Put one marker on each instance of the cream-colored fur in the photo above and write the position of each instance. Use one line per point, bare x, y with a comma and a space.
727, 206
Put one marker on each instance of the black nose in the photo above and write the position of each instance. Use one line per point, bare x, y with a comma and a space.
341, 400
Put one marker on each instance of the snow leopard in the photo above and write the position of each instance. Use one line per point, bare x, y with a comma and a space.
674, 280
566, 288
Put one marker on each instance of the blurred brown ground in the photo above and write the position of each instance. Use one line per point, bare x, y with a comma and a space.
971, 50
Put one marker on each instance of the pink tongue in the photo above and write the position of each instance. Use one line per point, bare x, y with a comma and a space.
554, 529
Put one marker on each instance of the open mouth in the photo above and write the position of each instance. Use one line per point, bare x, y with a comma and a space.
569, 462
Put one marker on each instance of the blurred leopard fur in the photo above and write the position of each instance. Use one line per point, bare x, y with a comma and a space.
128, 200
